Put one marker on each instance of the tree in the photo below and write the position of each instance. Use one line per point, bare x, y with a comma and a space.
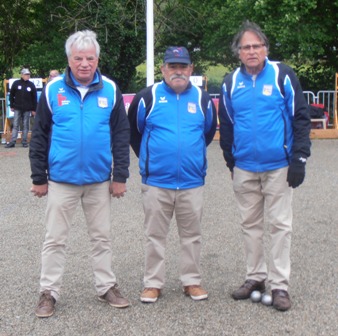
119, 26
16, 27
302, 33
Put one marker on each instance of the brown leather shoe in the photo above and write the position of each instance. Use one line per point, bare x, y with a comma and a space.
280, 299
114, 298
46, 305
196, 292
150, 295
247, 288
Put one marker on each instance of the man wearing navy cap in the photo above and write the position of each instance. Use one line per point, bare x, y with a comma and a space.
172, 123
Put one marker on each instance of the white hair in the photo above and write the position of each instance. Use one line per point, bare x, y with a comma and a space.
82, 40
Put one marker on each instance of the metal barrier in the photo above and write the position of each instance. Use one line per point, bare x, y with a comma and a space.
2, 115
310, 97
327, 98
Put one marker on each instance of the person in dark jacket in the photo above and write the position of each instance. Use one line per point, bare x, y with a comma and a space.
81, 130
23, 101
264, 135
172, 123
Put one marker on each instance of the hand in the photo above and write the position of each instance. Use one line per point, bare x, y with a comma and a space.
296, 174
117, 189
39, 190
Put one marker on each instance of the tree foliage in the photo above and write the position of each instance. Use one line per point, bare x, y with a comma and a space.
16, 22
120, 27
302, 33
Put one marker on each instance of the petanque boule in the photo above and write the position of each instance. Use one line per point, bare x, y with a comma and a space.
267, 300
255, 296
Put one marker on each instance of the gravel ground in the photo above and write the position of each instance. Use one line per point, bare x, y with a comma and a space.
313, 290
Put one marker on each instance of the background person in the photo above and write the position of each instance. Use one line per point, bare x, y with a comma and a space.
53, 74
66, 163
264, 134
172, 122
23, 101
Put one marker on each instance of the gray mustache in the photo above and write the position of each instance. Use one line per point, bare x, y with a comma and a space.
178, 76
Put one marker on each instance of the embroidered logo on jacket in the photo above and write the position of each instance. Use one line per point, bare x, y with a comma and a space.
163, 100
192, 107
62, 100
240, 85
267, 90
102, 102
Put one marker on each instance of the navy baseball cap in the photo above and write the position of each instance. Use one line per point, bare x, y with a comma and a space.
177, 55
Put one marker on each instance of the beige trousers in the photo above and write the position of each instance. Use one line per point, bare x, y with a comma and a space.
159, 206
61, 205
265, 197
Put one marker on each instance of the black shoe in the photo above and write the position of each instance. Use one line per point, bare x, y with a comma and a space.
25, 144
10, 145
247, 288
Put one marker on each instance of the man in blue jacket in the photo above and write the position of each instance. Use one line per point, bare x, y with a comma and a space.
264, 134
172, 123
81, 123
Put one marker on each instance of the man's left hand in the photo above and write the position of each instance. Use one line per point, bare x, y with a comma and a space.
296, 174
117, 189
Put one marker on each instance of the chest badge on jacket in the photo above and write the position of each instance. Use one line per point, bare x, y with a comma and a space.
102, 102
267, 90
191, 107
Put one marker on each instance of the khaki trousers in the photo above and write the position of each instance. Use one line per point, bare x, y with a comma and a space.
61, 205
265, 197
159, 206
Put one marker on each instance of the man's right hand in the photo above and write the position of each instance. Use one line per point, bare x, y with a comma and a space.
39, 190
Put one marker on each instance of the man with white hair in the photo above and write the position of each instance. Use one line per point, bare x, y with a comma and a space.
66, 163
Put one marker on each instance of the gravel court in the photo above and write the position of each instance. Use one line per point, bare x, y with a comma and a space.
314, 285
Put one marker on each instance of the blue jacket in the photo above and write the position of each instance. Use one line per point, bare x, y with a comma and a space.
74, 139
264, 119
170, 133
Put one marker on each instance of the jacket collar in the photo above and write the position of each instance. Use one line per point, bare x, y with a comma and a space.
96, 84
243, 69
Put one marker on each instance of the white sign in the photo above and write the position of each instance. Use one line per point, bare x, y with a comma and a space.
197, 80
36, 81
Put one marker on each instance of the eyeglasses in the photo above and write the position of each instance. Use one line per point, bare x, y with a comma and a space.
255, 47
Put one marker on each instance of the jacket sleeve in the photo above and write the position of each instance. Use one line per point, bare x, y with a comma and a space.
226, 129
120, 132
210, 118
137, 111
301, 122
12, 95
39, 144
34, 97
